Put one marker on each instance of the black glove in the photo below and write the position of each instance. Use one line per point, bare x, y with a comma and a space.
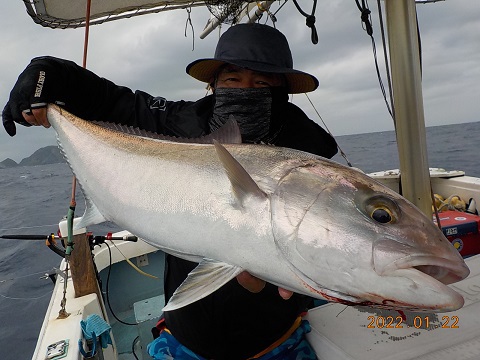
36, 86
79, 91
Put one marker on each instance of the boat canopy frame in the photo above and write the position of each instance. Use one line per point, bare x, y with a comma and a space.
404, 59
70, 14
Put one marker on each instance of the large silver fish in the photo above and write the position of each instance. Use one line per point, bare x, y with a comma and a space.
296, 220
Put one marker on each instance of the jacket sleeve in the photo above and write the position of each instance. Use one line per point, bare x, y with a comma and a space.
83, 93
91, 97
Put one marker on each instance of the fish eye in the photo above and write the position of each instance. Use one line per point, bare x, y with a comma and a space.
382, 209
381, 215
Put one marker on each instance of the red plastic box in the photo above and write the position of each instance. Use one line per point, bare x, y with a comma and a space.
462, 229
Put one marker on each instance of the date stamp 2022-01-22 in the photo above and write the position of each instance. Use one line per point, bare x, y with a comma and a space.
418, 322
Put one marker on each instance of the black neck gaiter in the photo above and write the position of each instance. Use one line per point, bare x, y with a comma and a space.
259, 112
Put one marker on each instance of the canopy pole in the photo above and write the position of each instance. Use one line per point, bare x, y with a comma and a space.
84, 65
87, 32
82, 267
81, 260
408, 102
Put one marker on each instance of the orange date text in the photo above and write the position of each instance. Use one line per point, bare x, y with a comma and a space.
419, 322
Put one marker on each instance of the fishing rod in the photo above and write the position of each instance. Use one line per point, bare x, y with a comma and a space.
98, 239
50, 240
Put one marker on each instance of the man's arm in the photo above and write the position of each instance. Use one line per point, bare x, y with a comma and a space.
51, 80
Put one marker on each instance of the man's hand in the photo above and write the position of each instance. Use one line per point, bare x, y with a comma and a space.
37, 117
29, 97
255, 285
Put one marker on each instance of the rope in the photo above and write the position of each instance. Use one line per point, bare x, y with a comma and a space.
4, 281
367, 26
132, 264
187, 22
309, 20
390, 108
328, 130
365, 16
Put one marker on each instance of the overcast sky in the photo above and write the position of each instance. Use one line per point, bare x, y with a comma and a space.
150, 53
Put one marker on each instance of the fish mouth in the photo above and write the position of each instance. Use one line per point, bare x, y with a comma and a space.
443, 270
446, 269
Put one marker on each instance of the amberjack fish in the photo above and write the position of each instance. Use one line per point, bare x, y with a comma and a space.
294, 219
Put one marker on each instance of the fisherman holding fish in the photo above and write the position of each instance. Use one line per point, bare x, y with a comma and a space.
251, 76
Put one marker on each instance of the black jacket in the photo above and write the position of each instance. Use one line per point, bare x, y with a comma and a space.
232, 323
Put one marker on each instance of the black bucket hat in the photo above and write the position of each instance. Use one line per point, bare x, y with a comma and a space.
255, 47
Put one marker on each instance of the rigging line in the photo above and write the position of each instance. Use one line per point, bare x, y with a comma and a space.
419, 39
73, 202
27, 227
62, 314
387, 65
84, 65
31, 298
24, 276
379, 77
366, 19
189, 21
427, 1
328, 130
280, 7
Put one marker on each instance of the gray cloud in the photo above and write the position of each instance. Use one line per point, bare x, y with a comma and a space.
150, 53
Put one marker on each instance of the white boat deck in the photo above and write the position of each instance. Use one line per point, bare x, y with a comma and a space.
68, 329
361, 333
338, 332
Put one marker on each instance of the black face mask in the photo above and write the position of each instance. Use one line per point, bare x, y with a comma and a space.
257, 111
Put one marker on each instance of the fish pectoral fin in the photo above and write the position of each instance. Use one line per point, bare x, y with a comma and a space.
243, 185
206, 278
91, 216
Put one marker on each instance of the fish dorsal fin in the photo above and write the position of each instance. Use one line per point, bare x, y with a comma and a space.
243, 185
229, 133
206, 278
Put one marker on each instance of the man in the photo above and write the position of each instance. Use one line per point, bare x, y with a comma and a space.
251, 75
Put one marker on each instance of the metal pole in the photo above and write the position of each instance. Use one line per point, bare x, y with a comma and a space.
408, 102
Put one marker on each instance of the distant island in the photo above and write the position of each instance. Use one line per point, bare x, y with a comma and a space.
43, 156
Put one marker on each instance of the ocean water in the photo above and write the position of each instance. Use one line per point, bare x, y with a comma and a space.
33, 200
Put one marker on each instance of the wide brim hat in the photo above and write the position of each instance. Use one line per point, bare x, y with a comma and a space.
256, 47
